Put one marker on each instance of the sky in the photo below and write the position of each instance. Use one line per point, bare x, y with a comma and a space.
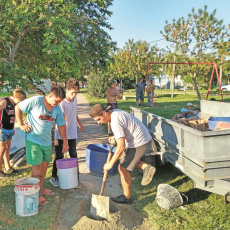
144, 19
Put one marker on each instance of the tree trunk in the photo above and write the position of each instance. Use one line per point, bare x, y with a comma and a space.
196, 87
173, 79
221, 73
172, 85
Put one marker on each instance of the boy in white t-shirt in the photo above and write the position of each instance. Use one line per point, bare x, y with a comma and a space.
133, 141
69, 109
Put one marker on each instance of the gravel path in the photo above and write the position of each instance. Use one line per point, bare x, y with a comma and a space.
74, 211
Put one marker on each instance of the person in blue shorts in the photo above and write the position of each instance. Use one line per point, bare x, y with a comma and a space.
7, 120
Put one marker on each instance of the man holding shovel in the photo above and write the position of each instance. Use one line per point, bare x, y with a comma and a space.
133, 141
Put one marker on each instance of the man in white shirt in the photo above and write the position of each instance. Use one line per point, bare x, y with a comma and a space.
133, 141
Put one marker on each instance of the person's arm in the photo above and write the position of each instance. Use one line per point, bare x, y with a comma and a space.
81, 127
18, 114
2, 105
120, 95
119, 150
187, 112
62, 131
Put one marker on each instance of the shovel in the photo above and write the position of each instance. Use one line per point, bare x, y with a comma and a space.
100, 204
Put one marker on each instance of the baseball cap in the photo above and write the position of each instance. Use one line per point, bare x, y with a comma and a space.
189, 104
97, 110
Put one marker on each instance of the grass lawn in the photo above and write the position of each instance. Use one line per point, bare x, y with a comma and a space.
204, 210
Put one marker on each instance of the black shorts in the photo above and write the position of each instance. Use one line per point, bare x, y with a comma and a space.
131, 156
113, 106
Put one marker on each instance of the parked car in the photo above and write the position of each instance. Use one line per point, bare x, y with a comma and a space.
157, 87
225, 87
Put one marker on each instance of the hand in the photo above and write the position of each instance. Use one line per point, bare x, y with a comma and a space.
65, 147
122, 91
107, 166
55, 142
112, 141
81, 128
26, 128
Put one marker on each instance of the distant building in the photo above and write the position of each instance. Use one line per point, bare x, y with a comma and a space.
164, 81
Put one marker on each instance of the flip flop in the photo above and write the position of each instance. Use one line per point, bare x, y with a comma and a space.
48, 192
43, 201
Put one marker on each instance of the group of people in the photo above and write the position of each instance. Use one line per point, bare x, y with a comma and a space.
42, 113
60, 107
140, 88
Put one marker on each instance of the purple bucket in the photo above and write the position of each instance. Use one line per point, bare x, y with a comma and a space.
67, 163
68, 173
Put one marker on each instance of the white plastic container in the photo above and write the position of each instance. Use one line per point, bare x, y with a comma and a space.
27, 196
68, 173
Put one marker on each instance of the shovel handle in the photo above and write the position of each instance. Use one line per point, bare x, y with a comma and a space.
106, 172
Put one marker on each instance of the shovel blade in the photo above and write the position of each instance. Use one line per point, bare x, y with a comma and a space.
99, 206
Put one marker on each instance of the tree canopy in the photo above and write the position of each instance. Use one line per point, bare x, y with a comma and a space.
55, 39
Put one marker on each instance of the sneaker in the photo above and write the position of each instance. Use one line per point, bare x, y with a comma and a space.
11, 170
3, 175
54, 181
122, 199
148, 174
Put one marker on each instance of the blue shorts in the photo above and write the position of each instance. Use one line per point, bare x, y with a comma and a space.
139, 96
6, 134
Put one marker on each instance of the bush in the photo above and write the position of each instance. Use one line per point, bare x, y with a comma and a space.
97, 85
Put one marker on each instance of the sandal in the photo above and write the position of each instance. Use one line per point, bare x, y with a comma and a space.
48, 192
43, 201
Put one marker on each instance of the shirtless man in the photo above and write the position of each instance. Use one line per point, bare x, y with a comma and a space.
112, 95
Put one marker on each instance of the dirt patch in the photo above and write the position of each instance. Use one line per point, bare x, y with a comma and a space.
74, 211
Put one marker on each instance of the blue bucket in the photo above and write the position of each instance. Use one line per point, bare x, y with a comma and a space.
213, 121
96, 157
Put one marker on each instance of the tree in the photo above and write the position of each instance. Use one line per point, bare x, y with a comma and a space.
131, 61
195, 38
52, 39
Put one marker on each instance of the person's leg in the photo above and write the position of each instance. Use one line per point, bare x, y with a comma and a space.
141, 165
2, 151
137, 98
132, 159
149, 99
6, 155
175, 117
148, 172
37, 173
43, 169
73, 153
142, 98
125, 181
58, 155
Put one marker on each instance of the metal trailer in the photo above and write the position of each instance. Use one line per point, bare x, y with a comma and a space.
202, 156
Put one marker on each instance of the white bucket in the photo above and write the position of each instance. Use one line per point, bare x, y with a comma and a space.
27, 196
68, 173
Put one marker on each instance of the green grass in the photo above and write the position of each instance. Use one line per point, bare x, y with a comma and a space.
45, 219
204, 210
